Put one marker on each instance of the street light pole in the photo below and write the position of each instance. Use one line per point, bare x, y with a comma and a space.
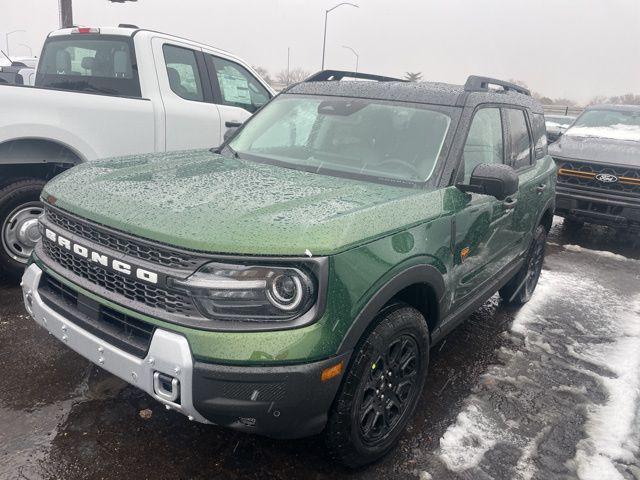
355, 53
27, 46
6, 38
326, 16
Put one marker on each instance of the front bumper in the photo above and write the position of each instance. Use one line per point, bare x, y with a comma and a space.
279, 401
598, 208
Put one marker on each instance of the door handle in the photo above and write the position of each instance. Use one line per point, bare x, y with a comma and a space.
510, 203
232, 124
541, 188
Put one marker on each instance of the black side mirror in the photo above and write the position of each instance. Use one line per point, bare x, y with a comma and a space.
497, 180
232, 128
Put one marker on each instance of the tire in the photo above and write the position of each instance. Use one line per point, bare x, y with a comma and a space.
400, 333
572, 224
521, 287
19, 206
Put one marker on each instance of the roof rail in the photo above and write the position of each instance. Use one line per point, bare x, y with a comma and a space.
127, 25
481, 84
336, 75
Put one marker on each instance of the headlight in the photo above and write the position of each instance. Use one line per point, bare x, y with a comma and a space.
225, 291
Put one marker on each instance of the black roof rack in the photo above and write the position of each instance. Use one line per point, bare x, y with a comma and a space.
481, 84
336, 75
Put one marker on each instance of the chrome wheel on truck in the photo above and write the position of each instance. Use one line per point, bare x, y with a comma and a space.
19, 211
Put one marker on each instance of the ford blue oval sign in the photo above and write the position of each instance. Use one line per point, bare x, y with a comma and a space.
606, 178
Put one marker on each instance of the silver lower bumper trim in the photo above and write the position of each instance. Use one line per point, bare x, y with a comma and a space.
169, 353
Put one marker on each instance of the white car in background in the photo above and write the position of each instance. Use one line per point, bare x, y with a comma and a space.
106, 92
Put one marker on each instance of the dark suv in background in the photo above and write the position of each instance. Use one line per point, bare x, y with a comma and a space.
598, 162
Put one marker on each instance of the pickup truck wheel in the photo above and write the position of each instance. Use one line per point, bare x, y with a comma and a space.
20, 208
521, 287
381, 388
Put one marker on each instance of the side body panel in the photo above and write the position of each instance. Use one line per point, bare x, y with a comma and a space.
88, 124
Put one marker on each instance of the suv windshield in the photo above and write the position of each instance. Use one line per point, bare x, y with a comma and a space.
89, 63
351, 137
615, 124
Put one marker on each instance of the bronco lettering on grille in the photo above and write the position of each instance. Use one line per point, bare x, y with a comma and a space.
101, 259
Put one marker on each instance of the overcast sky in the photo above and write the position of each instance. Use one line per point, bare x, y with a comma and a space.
561, 48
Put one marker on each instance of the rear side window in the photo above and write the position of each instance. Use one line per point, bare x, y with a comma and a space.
238, 87
539, 128
89, 63
183, 73
485, 142
519, 138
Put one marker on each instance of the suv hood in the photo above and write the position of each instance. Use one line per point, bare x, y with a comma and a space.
202, 201
599, 150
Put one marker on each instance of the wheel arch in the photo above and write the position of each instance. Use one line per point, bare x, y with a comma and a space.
419, 286
546, 217
37, 158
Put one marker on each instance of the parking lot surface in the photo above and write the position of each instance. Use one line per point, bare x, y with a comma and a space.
551, 390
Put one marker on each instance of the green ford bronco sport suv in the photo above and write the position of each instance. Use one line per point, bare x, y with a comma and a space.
292, 281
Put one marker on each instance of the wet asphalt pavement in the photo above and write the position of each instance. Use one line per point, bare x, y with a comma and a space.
548, 391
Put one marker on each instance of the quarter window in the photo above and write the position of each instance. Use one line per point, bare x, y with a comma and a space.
182, 70
519, 138
485, 142
539, 135
238, 87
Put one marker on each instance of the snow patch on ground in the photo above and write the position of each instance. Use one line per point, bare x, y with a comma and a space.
579, 336
464, 444
613, 429
601, 253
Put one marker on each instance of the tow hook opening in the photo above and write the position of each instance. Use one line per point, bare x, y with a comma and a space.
166, 387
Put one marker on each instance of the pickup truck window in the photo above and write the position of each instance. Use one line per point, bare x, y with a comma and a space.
183, 73
485, 141
92, 63
238, 88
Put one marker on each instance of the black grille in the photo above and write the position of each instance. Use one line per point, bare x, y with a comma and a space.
101, 236
123, 331
628, 183
152, 296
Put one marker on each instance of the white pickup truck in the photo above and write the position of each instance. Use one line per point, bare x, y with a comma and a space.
106, 92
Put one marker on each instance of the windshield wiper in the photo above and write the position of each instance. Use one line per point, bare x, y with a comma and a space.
220, 151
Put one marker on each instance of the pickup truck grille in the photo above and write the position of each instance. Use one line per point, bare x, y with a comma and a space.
123, 331
584, 174
136, 291
119, 242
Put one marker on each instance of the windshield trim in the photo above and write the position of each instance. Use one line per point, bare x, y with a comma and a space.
451, 111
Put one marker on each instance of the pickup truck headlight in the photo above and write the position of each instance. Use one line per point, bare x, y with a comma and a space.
225, 291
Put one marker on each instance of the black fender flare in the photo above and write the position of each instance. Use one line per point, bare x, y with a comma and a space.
415, 274
549, 206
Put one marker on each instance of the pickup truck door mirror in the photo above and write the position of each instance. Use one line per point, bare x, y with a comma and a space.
498, 180
232, 128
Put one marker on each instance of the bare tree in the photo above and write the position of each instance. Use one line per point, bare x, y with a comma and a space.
292, 76
413, 76
264, 73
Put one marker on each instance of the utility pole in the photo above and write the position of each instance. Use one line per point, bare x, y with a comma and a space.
65, 9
